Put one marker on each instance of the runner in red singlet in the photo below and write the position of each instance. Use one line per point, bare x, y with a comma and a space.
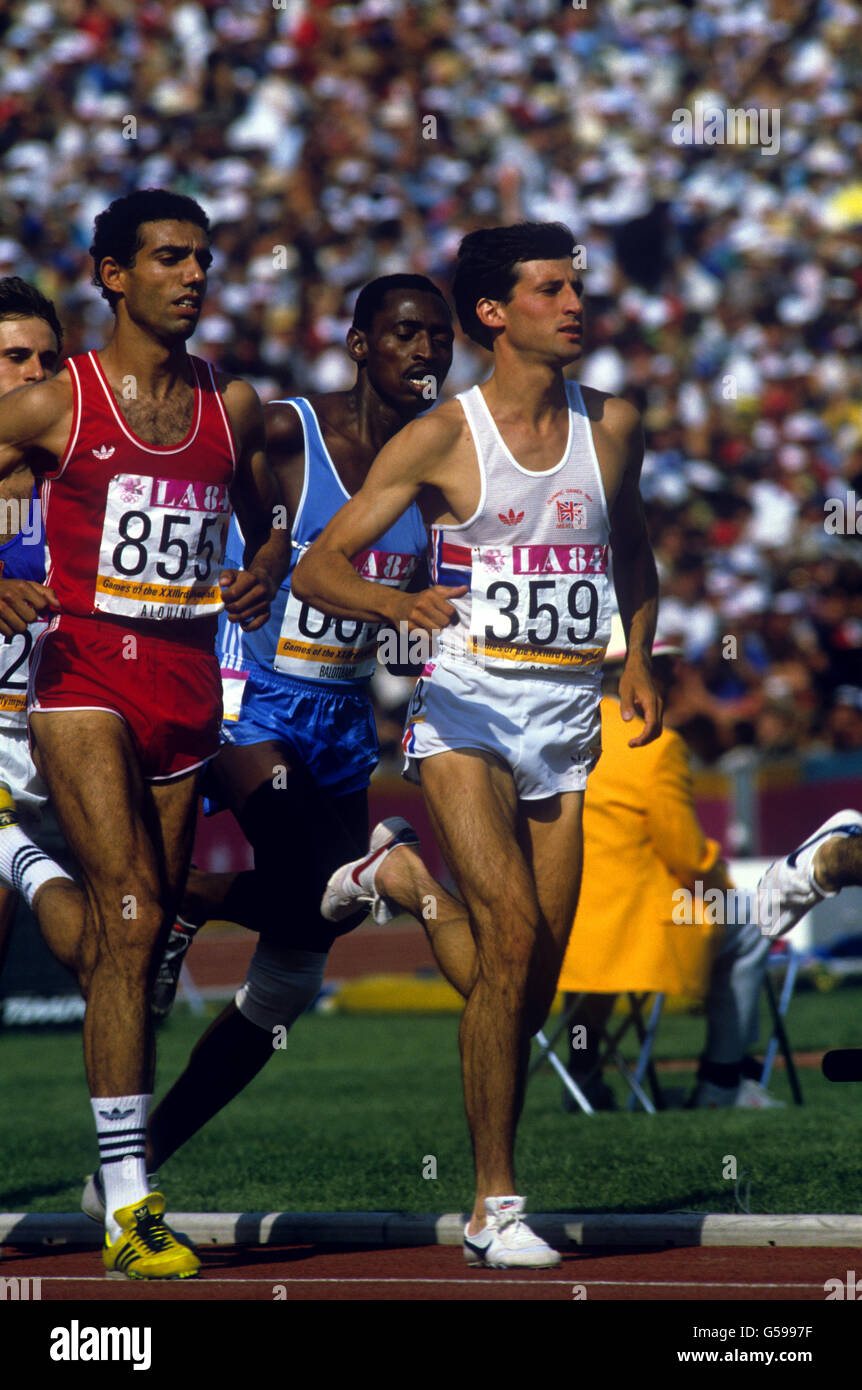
142, 449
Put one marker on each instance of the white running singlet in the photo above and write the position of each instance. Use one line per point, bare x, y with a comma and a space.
535, 554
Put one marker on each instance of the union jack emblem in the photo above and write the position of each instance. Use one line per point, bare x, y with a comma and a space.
571, 514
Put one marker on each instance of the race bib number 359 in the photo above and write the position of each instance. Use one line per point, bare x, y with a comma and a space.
161, 549
542, 606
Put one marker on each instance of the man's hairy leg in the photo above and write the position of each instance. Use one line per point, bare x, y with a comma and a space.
473, 806
550, 832
404, 878
124, 837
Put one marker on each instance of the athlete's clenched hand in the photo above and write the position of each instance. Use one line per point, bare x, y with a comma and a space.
21, 602
638, 695
247, 595
430, 609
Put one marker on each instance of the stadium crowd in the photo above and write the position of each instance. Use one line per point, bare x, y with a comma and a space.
333, 142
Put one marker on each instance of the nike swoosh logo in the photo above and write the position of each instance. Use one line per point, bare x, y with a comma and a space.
402, 838
824, 835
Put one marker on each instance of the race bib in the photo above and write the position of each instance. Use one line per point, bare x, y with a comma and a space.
14, 664
232, 689
541, 606
162, 547
315, 646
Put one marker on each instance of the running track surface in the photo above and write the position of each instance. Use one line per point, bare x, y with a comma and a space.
439, 1273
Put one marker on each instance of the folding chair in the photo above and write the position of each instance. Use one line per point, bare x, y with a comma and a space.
782, 954
609, 1050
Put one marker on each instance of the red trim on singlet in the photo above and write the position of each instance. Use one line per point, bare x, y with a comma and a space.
135, 439
231, 442
77, 413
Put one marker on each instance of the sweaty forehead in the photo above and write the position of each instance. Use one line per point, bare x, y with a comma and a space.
31, 333
419, 306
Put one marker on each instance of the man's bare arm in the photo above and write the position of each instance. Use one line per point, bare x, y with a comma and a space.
325, 576
258, 504
34, 424
636, 584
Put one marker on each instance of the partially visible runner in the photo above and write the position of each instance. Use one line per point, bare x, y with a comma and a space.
141, 449
526, 481
299, 737
31, 342
827, 861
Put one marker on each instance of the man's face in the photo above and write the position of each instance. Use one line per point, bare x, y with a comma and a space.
164, 289
408, 343
544, 315
29, 351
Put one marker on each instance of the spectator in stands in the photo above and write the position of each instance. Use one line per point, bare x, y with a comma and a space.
331, 142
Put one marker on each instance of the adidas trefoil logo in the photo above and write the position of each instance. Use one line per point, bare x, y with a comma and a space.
512, 519
117, 1113
104, 452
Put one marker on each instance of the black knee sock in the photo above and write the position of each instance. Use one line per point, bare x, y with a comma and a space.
225, 1060
299, 836
720, 1073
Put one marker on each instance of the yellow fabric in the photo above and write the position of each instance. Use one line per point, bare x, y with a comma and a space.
642, 841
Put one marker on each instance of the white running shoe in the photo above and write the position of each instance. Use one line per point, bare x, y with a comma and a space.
789, 884
505, 1241
353, 885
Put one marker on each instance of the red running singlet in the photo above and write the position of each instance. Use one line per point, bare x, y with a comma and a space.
136, 530
135, 535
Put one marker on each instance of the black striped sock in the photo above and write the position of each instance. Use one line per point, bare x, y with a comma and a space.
23, 865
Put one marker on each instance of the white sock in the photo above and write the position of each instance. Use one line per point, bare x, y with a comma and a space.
23, 865
121, 1124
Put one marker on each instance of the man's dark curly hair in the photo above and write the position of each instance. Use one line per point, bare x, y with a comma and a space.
20, 300
117, 230
372, 295
487, 266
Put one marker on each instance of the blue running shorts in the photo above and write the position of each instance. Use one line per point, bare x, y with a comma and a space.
331, 731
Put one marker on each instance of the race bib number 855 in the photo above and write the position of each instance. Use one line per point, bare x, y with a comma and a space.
542, 606
162, 547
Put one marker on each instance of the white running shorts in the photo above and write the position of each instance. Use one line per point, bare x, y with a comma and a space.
547, 730
17, 772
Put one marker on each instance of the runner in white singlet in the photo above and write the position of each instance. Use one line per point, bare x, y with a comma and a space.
517, 670
528, 483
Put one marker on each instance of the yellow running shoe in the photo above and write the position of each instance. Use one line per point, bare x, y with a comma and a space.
147, 1248
8, 814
